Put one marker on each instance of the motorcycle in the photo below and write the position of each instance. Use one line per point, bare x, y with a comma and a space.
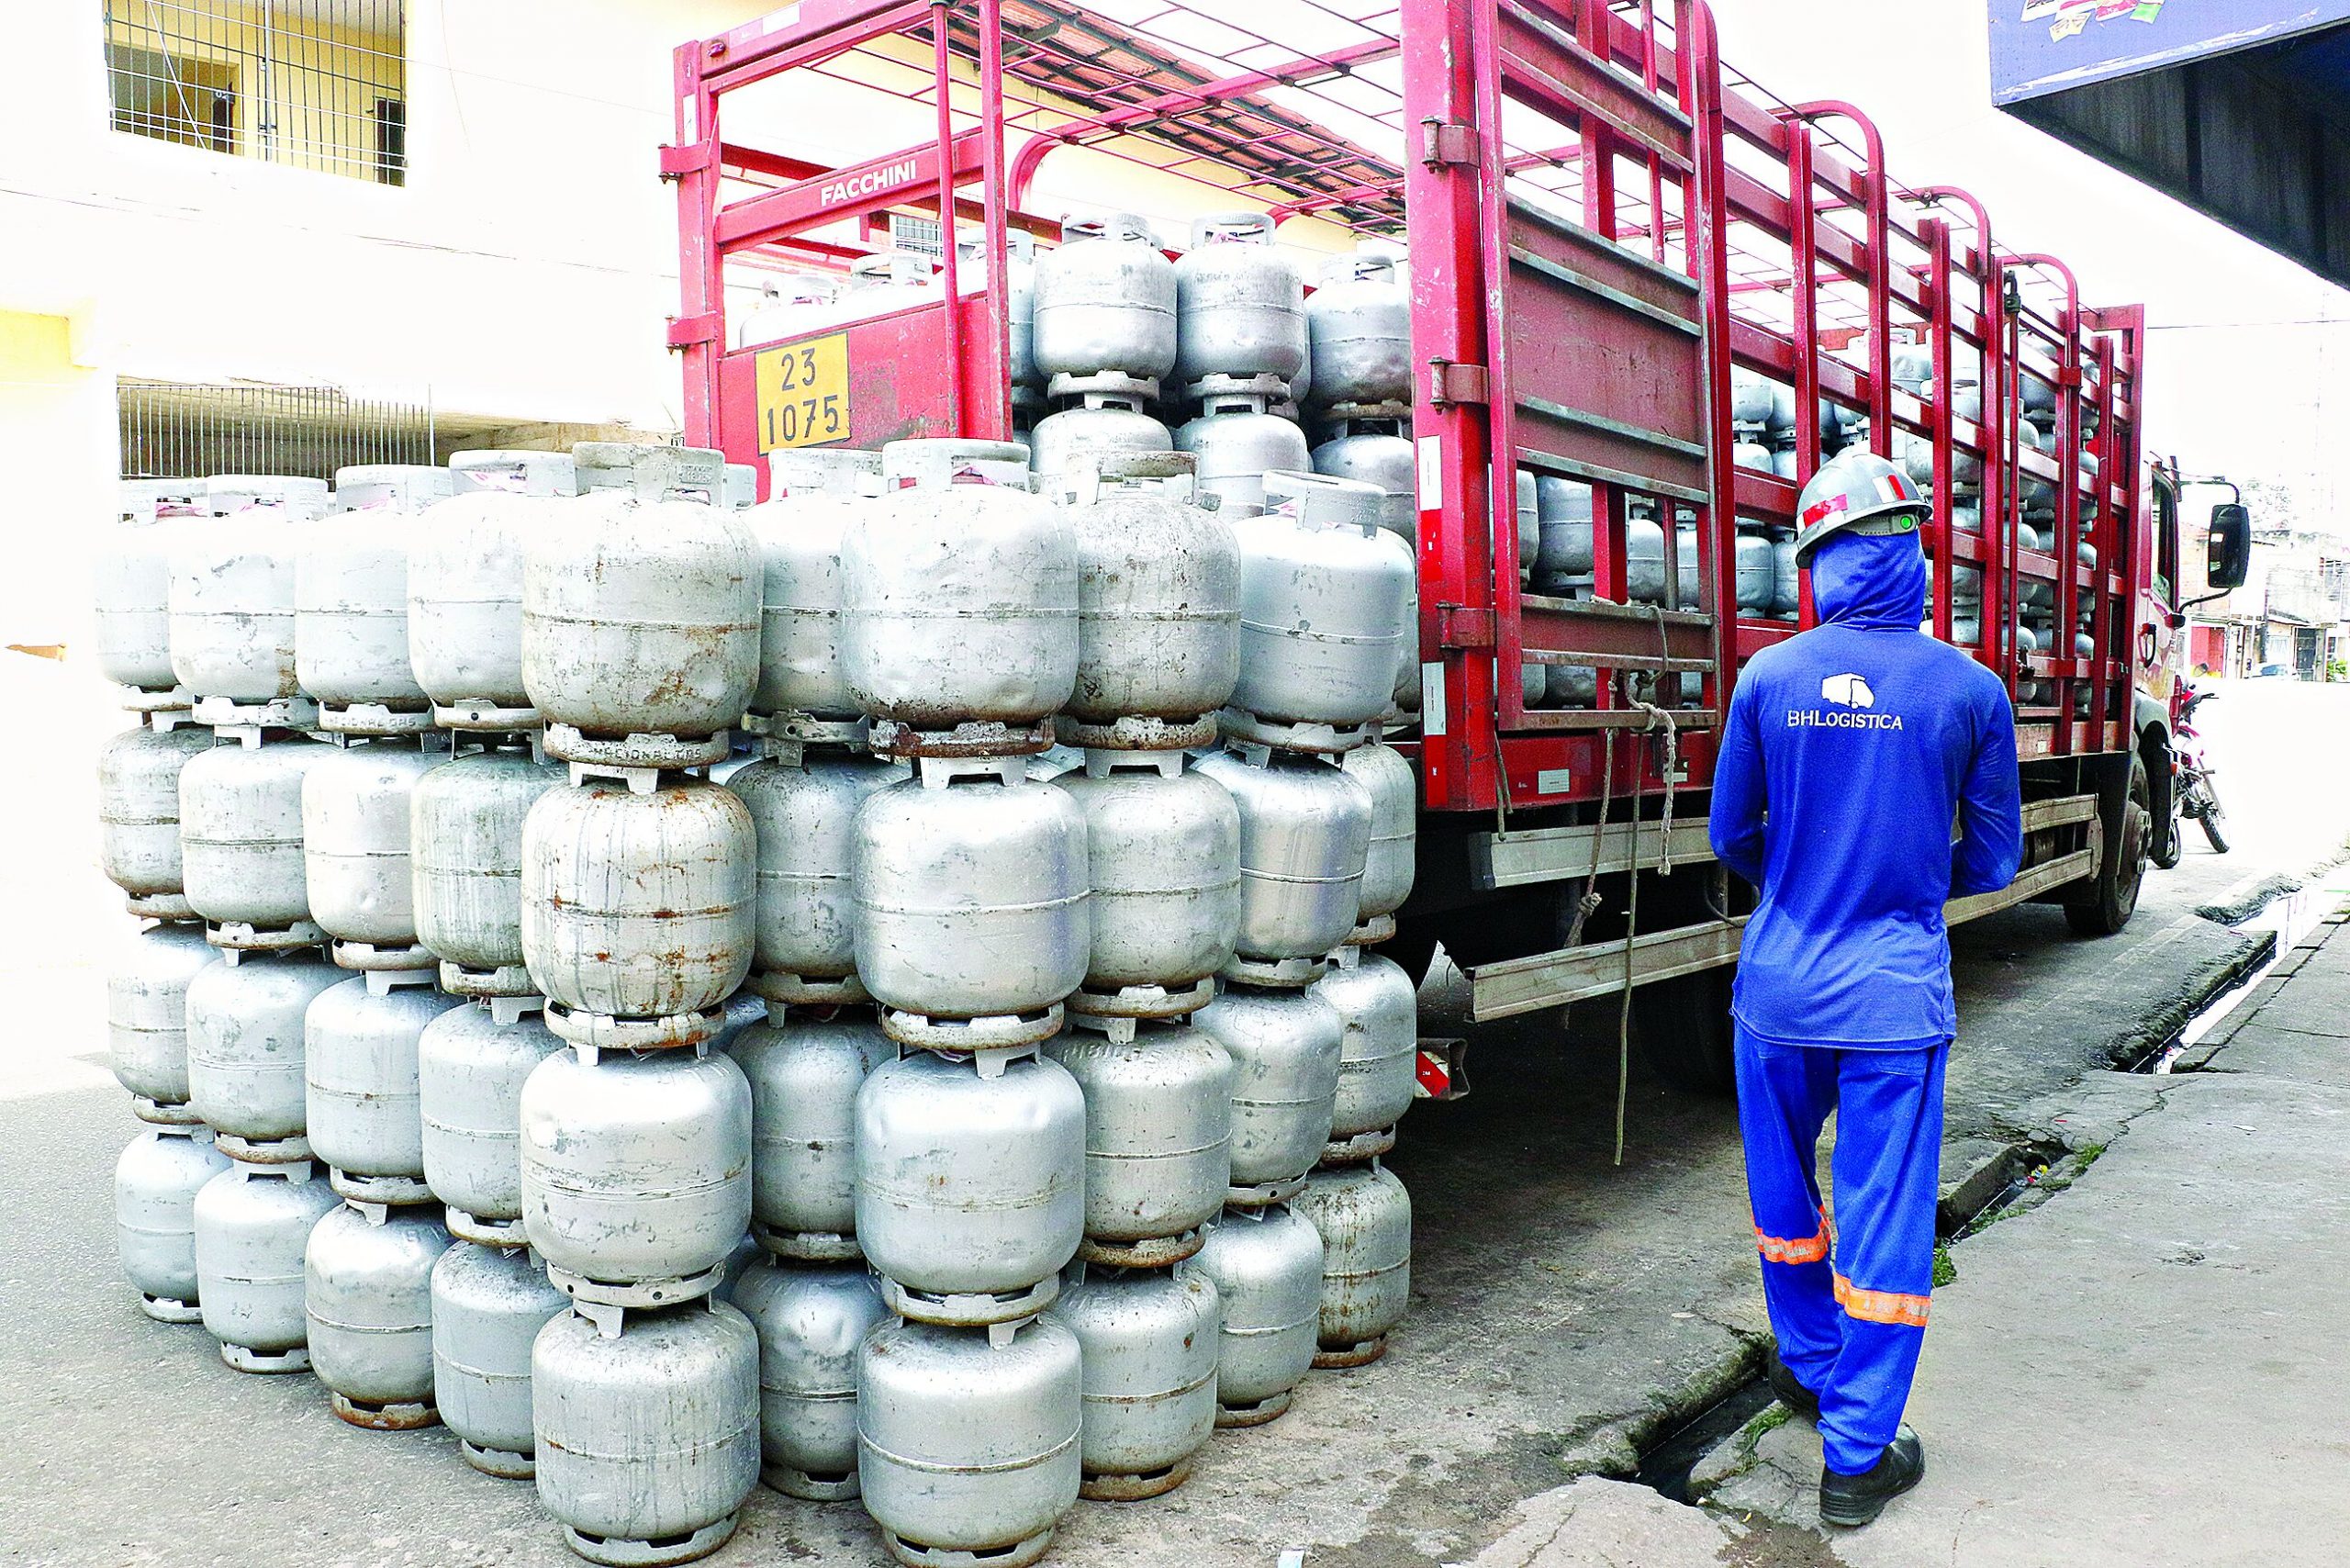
2192, 794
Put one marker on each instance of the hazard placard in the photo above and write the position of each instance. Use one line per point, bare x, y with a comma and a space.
803, 393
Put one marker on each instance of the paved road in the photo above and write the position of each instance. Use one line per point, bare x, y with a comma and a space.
1565, 1310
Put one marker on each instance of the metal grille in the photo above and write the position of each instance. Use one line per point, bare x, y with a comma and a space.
185, 429
314, 83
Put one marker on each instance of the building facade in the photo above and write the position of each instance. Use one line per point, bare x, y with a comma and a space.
437, 225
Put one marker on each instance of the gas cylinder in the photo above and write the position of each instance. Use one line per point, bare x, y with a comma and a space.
1758, 573
147, 1013
804, 1070
1391, 859
252, 1225
1562, 523
1146, 1340
790, 302
641, 623
1239, 307
1163, 862
1364, 1218
1267, 1266
240, 835
464, 584
1019, 306
971, 904
245, 1041
131, 585
638, 906
967, 1442
351, 601
1359, 322
1787, 588
231, 593
637, 1172
803, 816
1406, 694
464, 830
368, 1295
1305, 831
810, 1318
471, 1064
1287, 1048
813, 495
1107, 425
1530, 523
303, 499
648, 1443
1643, 561
1237, 441
1374, 457
360, 1047
155, 1183
886, 282
1104, 301
489, 1305
355, 809
1158, 605
1378, 1007
1570, 685
958, 592
1158, 1136
971, 1183
1750, 399
1325, 606
138, 815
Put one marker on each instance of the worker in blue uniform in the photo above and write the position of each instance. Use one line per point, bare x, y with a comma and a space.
1867, 774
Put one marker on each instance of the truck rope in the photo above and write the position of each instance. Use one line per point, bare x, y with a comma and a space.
1655, 717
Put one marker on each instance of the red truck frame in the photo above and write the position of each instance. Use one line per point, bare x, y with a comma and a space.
1602, 220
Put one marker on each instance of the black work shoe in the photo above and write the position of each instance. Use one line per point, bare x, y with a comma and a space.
1791, 1393
1854, 1500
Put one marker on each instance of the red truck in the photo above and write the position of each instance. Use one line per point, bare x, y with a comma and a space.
1617, 244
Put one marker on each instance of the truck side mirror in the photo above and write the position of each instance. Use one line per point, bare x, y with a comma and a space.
2229, 555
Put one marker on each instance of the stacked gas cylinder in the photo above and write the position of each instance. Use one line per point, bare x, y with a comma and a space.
333, 1025
287, 1055
1762, 421
1057, 1147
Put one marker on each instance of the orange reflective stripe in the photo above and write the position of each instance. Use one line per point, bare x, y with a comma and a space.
1880, 1306
1779, 1249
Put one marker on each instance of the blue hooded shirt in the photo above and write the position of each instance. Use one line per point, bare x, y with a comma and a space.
1850, 752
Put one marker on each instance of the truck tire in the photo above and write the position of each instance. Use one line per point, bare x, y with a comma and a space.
1682, 1029
2112, 893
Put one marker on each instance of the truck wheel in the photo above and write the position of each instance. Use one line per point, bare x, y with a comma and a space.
2113, 891
1682, 1030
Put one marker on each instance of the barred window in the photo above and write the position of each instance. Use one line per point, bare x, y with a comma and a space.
314, 83
173, 430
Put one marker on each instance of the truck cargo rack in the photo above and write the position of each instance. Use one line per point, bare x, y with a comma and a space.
1604, 223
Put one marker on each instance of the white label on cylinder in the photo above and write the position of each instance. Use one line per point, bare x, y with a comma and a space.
1431, 473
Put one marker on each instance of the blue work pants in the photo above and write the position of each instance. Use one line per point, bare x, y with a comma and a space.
1850, 1313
